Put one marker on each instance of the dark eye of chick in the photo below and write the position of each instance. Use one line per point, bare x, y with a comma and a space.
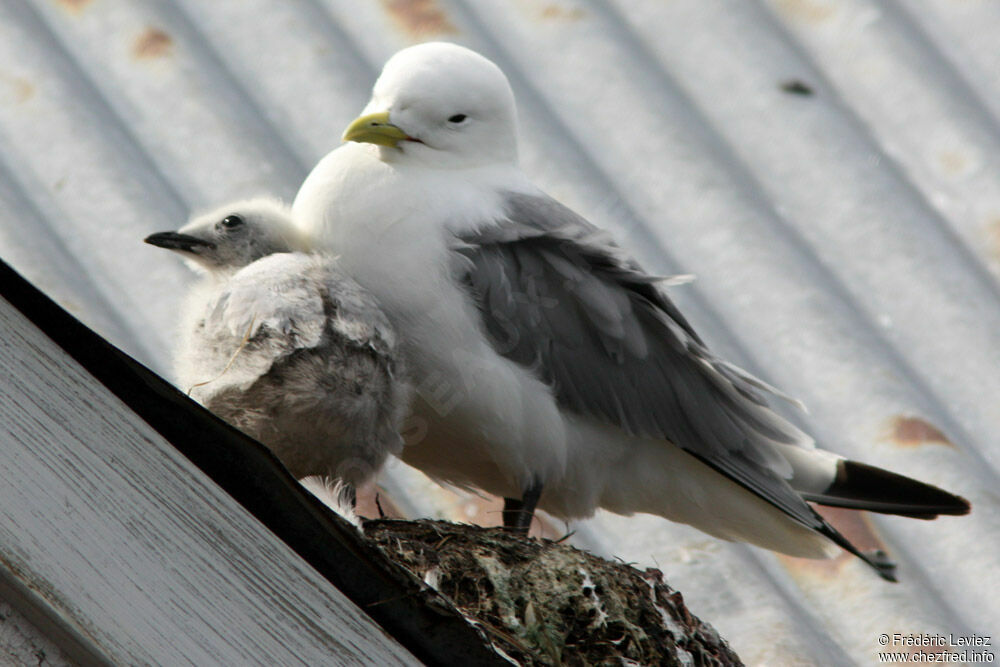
231, 221
457, 118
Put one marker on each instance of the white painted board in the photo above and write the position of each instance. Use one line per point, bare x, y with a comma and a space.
134, 550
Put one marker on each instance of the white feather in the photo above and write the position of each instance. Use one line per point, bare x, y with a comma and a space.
392, 215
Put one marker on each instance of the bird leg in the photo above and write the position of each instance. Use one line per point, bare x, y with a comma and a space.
518, 513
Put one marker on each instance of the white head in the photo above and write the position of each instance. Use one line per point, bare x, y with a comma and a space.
441, 105
234, 235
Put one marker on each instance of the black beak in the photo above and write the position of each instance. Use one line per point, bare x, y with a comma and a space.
175, 241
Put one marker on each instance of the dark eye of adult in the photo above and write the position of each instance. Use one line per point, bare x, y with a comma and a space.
457, 118
231, 221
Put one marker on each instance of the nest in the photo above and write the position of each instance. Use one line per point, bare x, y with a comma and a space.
541, 602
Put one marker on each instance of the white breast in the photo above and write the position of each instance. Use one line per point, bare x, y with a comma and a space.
485, 420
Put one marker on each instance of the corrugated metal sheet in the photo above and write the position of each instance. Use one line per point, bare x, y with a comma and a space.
829, 169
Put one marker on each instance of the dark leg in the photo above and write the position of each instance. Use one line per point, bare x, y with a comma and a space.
517, 514
511, 512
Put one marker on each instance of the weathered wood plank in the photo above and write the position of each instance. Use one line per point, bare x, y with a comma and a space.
134, 548
427, 624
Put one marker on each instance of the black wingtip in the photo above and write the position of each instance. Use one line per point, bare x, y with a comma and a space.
865, 487
879, 560
876, 558
961, 507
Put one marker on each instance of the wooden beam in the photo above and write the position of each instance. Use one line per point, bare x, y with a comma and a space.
138, 556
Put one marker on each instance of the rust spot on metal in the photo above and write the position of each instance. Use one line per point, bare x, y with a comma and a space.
420, 18
24, 90
20, 88
953, 162
152, 43
487, 511
371, 498
559, 13
808, 10
75, 6
810, 568
911, 431
855, 526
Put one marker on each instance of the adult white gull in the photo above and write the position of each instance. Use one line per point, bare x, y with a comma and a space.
550, 368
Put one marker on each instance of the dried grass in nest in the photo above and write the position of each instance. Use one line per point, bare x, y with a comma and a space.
545, 603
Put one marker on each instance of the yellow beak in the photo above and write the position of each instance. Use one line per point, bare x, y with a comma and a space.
374, 128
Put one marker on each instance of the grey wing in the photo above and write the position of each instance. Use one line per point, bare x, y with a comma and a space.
557, 297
